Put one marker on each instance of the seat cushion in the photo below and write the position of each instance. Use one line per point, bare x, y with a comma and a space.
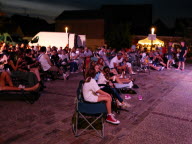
92, 108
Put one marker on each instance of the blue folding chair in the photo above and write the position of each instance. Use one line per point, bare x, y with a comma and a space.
85, 110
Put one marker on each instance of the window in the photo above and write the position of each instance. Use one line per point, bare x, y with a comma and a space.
35, 40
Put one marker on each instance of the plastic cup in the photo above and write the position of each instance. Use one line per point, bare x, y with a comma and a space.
127, 97
140, 97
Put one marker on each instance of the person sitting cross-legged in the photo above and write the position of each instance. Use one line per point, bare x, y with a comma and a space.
115, 64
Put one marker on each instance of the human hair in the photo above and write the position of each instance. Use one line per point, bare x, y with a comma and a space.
43, 49
106, 70
90, 74
27, 51
100, 61
92, 64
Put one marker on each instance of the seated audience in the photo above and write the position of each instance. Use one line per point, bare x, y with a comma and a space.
93, 93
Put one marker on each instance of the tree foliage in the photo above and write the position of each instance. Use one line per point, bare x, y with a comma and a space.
119, 36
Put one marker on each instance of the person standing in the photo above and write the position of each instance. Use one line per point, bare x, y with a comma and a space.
182, 55
170, 54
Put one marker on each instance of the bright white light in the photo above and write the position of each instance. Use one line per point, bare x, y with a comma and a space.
66, 29
152, 30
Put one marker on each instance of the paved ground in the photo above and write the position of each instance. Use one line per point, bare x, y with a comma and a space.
163, 117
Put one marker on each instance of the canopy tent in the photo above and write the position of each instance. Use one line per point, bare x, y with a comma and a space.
146, 41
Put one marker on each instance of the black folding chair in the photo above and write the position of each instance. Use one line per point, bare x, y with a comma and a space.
85, 110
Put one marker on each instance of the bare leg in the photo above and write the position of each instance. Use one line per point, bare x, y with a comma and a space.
2, 79
183, 65
16, 88
179, 65
8, 79
156, 68
5, 77
163, 64
36, 72
35, 87
1, 82
122, 80
168, 64
108, 100
9, 88
130, 70
117, 80
114, 71
125, 80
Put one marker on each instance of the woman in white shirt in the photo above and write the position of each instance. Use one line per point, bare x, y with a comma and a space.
93, 93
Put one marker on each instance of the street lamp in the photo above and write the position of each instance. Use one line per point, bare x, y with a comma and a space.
152, 33
152, 30
66, 29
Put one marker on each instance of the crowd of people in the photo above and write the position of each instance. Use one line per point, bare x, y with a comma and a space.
105, 70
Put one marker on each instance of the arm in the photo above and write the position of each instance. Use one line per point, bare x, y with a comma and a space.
12, 65
48, 59
185, 53
5, 59
76, 56
160, 58
154, 58
115, 65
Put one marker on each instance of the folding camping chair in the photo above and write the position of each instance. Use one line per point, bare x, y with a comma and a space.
85, 109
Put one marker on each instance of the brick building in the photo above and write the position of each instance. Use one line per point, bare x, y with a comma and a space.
96, 23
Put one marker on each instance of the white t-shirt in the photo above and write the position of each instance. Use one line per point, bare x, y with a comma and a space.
115, 60
3, 60
103, 55
87, 53
89, 91
62, 57
44, 63
102, 79
73, 55
143, 57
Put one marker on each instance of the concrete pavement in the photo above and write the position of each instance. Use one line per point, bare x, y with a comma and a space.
162, 117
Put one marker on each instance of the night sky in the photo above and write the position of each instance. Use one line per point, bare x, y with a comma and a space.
167, 10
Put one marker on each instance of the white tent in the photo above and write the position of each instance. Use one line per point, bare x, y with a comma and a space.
146, 41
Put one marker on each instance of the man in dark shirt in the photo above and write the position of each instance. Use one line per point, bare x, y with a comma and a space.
55, 58
182, 55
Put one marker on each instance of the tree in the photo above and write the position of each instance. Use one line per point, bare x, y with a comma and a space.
118, 36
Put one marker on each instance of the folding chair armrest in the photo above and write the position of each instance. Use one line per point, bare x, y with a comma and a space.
103, 85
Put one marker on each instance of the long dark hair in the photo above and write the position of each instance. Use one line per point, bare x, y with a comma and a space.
106, 70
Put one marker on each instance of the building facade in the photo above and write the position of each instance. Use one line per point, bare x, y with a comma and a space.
96, 23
